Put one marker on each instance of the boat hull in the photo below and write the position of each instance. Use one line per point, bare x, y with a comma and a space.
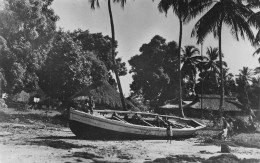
88, 126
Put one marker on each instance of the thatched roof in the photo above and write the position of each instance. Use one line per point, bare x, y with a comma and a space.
214, 96
102, 93
212, 102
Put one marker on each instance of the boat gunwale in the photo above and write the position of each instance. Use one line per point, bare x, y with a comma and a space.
134, 126
152, 114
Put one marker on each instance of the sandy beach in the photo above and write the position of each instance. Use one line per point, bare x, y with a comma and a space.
25, 139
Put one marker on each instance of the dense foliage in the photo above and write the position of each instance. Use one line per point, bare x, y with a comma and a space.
155, 70
26, 32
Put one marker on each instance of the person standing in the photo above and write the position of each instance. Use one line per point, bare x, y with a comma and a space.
169, 133
91, 104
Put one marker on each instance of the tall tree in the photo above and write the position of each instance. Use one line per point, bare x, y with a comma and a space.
222, 12
209, 71
256, 89
181, 9
95, 3
153, 70
229, 82
245, 76
79, 68
254, 20
190, 59
27, 28
101, 46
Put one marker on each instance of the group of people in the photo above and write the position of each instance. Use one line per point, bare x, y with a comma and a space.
232, 126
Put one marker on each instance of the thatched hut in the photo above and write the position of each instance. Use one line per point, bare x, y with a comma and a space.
104, 95
171, 108
210, 104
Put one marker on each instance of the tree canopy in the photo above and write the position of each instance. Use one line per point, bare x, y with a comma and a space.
26, 33
154, 70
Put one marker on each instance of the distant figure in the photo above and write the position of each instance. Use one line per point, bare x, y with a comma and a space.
226, 129
85, 105
224, 134
252, 114
91, 104
225, 123
36, 101
169, 133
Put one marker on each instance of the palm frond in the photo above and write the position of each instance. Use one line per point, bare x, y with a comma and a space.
197, 7
257, 39
212, 53
207, 23
122, 2
257, 51
238, 24
257, 70
94, 4
164, 6
254, 20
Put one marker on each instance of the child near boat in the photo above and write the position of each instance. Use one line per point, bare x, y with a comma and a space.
169, 133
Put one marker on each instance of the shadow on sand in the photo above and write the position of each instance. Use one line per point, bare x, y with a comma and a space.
223, 158
58, 144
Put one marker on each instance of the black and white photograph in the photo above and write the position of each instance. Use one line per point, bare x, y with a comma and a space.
130, 81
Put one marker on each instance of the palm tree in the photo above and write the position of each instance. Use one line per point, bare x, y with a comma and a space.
181, 10
245, 76
254, 20
256, 85
190, 59
222, 12
122, 2
229, 82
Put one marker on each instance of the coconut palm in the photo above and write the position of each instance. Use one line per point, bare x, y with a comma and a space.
209, 70
222, 12
254, 20
256, 86
181, 10
245, 76
190, 58
95, 3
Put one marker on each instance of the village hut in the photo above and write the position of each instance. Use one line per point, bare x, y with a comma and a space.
171, 108
208, 105
104, 95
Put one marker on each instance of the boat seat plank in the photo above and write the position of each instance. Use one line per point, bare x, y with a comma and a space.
118, 118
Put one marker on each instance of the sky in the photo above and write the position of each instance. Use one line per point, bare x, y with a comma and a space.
138, 23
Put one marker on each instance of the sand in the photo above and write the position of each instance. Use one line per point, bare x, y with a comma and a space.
35, 141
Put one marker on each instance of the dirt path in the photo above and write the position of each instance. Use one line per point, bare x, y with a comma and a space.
38, 142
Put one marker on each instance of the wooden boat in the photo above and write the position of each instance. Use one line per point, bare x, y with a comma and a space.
111, 124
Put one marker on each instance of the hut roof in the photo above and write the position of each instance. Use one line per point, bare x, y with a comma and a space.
102, 93
212, 102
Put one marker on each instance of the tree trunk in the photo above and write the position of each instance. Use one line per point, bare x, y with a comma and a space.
246, 94
114, 58
258, 114
221, 72
179, 70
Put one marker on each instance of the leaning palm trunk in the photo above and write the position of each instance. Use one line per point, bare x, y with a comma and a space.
179, 67
221, 73
113, 56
